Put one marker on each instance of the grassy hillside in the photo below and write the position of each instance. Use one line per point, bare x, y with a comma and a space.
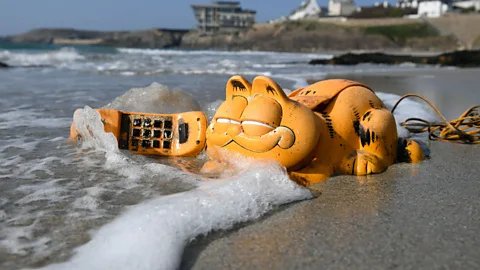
400, 33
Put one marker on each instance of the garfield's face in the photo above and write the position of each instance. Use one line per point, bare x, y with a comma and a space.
261, 121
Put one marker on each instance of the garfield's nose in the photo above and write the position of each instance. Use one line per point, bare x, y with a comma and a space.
234, 130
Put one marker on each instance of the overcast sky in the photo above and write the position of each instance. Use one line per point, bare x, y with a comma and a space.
17, 16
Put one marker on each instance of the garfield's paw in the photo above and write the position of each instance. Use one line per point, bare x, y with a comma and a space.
314, 173
362, 163
409, 151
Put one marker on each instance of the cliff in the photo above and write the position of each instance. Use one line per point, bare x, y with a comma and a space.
314, 36
294, 36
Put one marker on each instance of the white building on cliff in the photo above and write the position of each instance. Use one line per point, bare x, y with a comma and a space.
432, 8
308, 9
468, 4
340, 7
225, 16
407, 4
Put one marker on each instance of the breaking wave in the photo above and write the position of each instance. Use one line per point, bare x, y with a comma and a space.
58, 58
214, 53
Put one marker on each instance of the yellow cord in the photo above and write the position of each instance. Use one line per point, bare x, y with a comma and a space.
465, 129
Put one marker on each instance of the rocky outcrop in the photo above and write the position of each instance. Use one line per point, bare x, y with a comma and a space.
457, 58
153, 38
156, 38
4, 39
3, 65
47, 35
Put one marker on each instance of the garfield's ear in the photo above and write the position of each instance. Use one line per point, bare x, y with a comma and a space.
267, 87
237, 86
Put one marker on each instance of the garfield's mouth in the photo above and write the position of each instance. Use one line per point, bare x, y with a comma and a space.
281, 136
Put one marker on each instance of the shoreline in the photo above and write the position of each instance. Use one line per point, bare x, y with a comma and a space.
97, 43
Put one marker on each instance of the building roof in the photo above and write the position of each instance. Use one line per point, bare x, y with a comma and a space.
304, 5
217, 4
225, 4
419, 1
344, 1
229, 3
443, 1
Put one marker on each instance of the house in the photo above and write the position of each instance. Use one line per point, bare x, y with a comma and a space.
223, 16
407, 4
467, 4
432, 8
341, 7
384, 4
382, 10
307, 10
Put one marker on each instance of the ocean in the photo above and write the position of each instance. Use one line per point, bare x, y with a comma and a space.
93, 206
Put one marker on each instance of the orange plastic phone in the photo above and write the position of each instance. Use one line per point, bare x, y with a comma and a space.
181, 134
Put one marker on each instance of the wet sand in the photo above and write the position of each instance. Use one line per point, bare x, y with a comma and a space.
413, 216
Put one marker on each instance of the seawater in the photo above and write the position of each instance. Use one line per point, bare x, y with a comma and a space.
92, 206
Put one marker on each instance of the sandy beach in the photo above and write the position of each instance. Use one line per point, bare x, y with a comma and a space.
413, 216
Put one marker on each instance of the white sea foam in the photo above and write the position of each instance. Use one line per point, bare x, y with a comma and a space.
156, 98
90, 200
59, 57
37, 246
43, 193
152, 235
29, 118
219, 71
213, 52
20, 143
406, 109
88, 124
211, 108
298, 82
270, 65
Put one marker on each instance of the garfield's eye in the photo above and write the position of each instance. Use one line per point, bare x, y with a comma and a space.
256, 123
227, 121
256, 128
222, 124
264, 111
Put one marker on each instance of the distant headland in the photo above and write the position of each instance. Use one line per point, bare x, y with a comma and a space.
446, 33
